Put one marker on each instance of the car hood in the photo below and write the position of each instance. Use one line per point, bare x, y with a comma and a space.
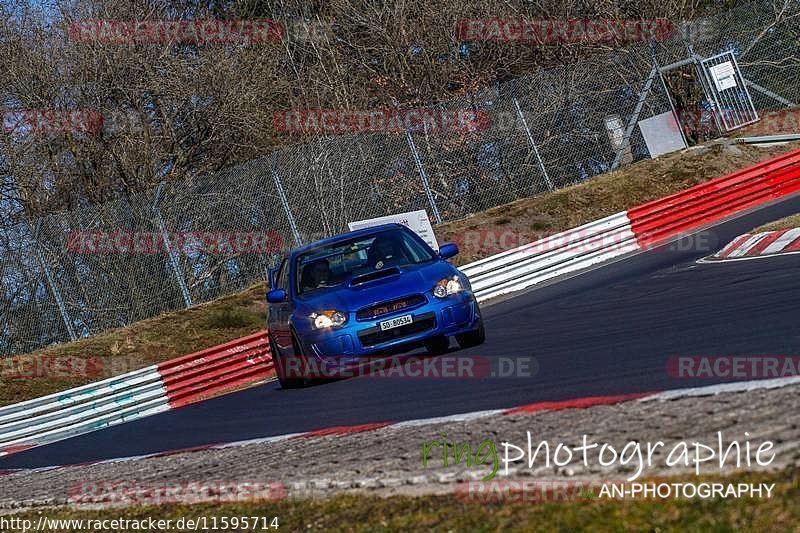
411, 280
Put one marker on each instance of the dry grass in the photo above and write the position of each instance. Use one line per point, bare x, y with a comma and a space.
773, 123
143, 343
450, 513
791, 222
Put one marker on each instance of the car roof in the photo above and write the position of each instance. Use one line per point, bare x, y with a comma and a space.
346, 236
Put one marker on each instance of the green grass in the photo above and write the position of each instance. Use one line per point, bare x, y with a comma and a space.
450, 513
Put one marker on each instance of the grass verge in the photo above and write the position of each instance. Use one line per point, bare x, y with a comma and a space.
174, 334
782, 121
452, 513
126, 349
790, 222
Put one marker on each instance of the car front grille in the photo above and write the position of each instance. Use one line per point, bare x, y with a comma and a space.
391, 306
374, 336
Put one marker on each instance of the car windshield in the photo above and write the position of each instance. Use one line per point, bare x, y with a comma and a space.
331, 265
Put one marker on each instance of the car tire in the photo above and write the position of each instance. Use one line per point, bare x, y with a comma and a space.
472, 338
437, 345
280, 368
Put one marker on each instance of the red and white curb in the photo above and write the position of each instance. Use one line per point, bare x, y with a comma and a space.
539, 407
757, 245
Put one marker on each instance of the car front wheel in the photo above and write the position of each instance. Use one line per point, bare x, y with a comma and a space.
472, 338
437, 345
282, 370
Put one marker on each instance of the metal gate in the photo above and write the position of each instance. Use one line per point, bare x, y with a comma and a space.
725, 88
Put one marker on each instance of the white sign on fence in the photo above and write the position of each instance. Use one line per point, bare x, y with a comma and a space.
417, 221
662, 134
724, 75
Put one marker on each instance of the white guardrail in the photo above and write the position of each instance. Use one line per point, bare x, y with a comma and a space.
559, 254
770, 139
80, 410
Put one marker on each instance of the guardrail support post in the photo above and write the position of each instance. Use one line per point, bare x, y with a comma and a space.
422, 174
533, 144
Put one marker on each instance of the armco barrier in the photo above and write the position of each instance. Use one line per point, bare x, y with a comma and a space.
717, 199
215, 370
548, 258
248, 360
136, 394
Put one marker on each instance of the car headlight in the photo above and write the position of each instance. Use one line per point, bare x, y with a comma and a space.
447, 286
328, 319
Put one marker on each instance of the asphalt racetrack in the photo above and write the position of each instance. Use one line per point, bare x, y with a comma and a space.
608, 331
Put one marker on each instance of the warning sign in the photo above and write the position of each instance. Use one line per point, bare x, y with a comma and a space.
724, 75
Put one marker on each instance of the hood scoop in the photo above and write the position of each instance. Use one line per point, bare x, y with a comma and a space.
374, 276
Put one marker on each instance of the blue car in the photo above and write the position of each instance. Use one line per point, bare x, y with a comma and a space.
378, 291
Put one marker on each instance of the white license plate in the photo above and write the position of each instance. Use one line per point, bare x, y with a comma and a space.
396, 322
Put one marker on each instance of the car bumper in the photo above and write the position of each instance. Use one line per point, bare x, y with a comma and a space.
448, 316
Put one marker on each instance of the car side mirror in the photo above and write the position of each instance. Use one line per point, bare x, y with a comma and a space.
448, 250
276, 296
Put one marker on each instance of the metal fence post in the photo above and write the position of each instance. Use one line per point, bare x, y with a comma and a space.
533, 144
187, 297
643, 94
412, 145
62, 309
767, 92
285, 201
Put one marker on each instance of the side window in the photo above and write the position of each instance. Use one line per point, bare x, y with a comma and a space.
414, 249
283, 276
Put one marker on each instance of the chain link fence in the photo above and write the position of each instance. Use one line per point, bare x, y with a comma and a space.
545, 131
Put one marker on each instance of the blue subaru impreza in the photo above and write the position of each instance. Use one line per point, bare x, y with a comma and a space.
373, 292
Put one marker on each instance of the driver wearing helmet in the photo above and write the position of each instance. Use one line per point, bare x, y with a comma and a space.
316, 274
386, 250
